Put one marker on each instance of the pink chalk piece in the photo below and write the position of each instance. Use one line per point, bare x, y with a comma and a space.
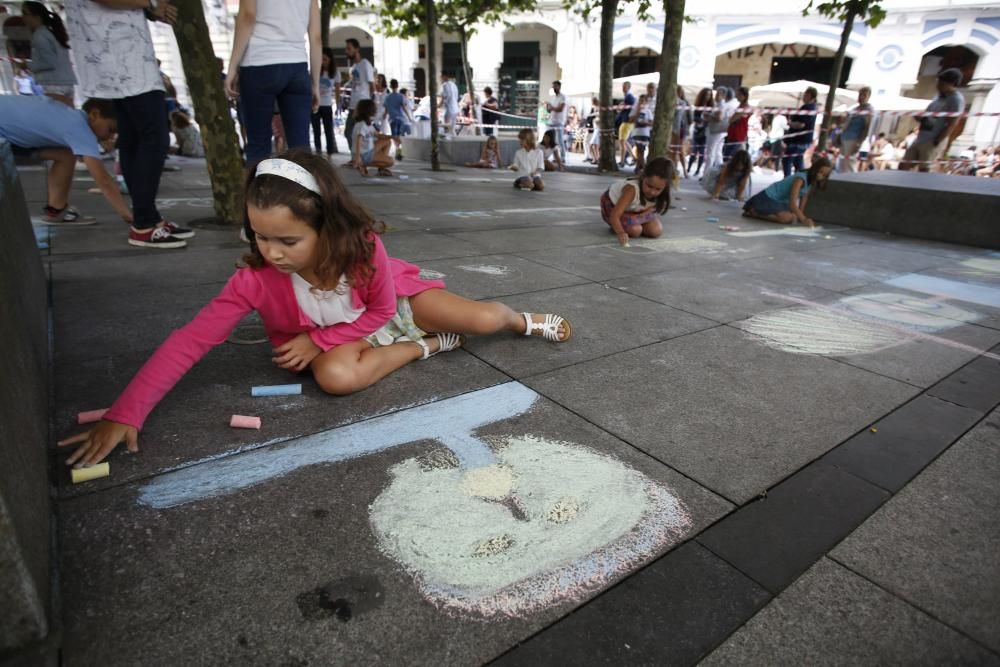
90, 416
241, 421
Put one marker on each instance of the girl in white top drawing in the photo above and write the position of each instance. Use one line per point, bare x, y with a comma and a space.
530, 161
633, 207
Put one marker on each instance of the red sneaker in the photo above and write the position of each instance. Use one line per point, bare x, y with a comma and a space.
154, 237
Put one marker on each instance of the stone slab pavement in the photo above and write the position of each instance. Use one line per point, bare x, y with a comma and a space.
726, 461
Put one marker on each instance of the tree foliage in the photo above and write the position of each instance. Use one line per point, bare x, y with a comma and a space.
871, 13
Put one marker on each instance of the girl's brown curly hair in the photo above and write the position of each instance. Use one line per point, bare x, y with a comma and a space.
345, 227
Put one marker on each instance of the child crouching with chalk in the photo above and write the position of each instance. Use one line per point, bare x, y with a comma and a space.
330, 297
633, 207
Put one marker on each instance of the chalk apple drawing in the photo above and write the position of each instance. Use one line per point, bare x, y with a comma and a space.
545, 523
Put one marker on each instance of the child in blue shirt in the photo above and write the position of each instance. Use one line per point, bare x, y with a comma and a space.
785, 201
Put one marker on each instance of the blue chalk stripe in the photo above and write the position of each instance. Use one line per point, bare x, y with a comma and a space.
276, 390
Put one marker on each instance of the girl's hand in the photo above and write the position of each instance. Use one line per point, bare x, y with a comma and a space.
809, 222
100, 441
362, 169
297, 353
623, 238
233, 83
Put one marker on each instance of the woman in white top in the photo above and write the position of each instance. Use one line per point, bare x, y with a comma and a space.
530, 161
269, 64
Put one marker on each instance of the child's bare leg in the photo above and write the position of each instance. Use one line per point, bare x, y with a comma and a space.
634, 231
352, 367
60, 176
437, 310
651, 229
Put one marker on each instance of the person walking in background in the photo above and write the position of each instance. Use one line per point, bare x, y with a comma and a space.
934, 135
449, 102
801, 127
490, 106
679, 128
361, 85
269, 65
329, 80
699, 135
623, 123
378, 96
739, 125
556, 106
855, 130
398, 111
718, 127
114, 57
49, 52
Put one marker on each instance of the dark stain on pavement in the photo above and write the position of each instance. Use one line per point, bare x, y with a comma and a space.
344, 599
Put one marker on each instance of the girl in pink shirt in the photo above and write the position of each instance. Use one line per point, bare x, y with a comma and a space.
330, 297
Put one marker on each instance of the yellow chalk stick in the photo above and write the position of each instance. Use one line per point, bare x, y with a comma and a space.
81, 475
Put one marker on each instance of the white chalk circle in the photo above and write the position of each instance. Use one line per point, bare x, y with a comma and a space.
548, 522
820, 331
909, 311
683, 246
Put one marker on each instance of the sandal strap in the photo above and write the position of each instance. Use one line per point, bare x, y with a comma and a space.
549, 328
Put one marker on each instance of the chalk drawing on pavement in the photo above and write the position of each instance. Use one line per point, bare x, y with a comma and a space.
684, 246
489, 529
487, 269
193, 202
856, 324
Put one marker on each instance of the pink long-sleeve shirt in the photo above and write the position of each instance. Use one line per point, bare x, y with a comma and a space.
270, 293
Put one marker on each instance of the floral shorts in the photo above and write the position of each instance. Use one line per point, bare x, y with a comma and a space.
400, 328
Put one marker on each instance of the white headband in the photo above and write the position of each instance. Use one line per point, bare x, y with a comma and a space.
287, 169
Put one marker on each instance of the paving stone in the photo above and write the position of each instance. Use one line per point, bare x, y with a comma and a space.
833, 617
880, 255
604, 321
671, 613
735, 294
419, 246
976, 385
293, 568
778, 537
533, 238
192, 421
900, 445
490, 276
935, 544
733, 414
821, 271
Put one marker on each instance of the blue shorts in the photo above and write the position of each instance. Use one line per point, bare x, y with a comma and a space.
367, 157
764, 205
398, 127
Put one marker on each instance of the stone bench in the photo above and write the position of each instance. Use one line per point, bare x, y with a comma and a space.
25, 506
937, 207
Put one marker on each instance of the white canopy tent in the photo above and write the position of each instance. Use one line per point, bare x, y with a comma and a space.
788, 94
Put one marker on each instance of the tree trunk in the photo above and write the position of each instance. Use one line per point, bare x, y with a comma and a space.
467, 72
325, 9
609, 10
666, 94
831, 95
432, 79
211, 108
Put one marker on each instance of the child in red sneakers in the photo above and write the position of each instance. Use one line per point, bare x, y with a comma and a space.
330, 297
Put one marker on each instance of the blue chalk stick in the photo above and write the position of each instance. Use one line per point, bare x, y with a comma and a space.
711, 219
276, 390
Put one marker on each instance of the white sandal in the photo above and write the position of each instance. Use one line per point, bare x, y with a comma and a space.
549, 328
446, 343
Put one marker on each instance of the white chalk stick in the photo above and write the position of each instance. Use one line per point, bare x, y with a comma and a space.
242, 421
80, 475
90, 416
